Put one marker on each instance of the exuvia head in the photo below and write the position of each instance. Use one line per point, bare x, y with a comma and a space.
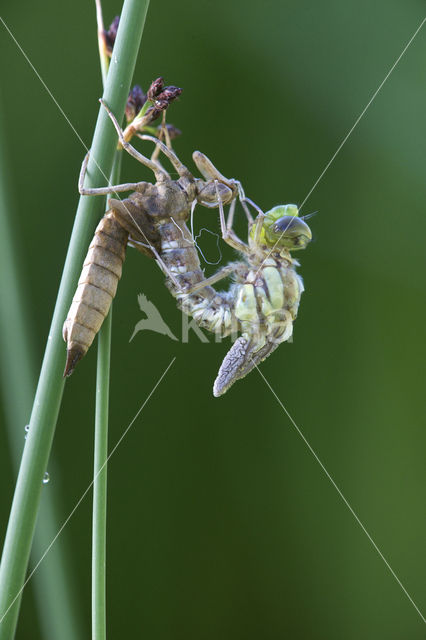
215, 186
211, 192
283, 229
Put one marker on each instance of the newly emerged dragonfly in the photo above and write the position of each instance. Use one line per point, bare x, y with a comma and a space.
262, 302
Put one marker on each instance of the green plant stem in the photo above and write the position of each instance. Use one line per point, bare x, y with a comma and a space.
56, 602
100, 483
47, 402
100, 468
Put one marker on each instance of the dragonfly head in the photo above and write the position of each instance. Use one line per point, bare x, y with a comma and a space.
282, 228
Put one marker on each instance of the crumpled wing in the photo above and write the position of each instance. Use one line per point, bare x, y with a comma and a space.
239, 361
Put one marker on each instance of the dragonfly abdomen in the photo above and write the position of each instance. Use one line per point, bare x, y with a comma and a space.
211, 310
180, 256
214, 314
96, 289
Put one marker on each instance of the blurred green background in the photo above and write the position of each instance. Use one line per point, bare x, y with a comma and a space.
221, 522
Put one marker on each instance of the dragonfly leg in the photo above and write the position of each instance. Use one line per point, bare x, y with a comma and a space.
230, 220
151, 251
164, 268
101, 191
155, 168
242, 198
258, 228
141, 246
208, 282
156, 152
207, 169
259, 219
164, 133
170, 154
247, 212
228, 235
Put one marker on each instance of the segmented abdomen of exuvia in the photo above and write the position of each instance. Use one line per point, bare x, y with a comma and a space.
179, 254
209, 308
96, 289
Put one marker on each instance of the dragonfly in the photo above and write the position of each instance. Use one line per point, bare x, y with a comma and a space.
262, 302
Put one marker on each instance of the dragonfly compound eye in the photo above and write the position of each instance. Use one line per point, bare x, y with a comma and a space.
289, 232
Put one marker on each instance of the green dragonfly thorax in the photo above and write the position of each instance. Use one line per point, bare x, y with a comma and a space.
283, 229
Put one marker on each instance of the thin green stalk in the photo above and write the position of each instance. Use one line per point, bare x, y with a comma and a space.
47, 402
56, 603
100, 483
100, 468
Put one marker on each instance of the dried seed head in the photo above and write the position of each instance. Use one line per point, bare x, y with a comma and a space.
135, 102
160, 105
111, 34
161, 96
153, 113
156, 101
155, 88
169, 94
